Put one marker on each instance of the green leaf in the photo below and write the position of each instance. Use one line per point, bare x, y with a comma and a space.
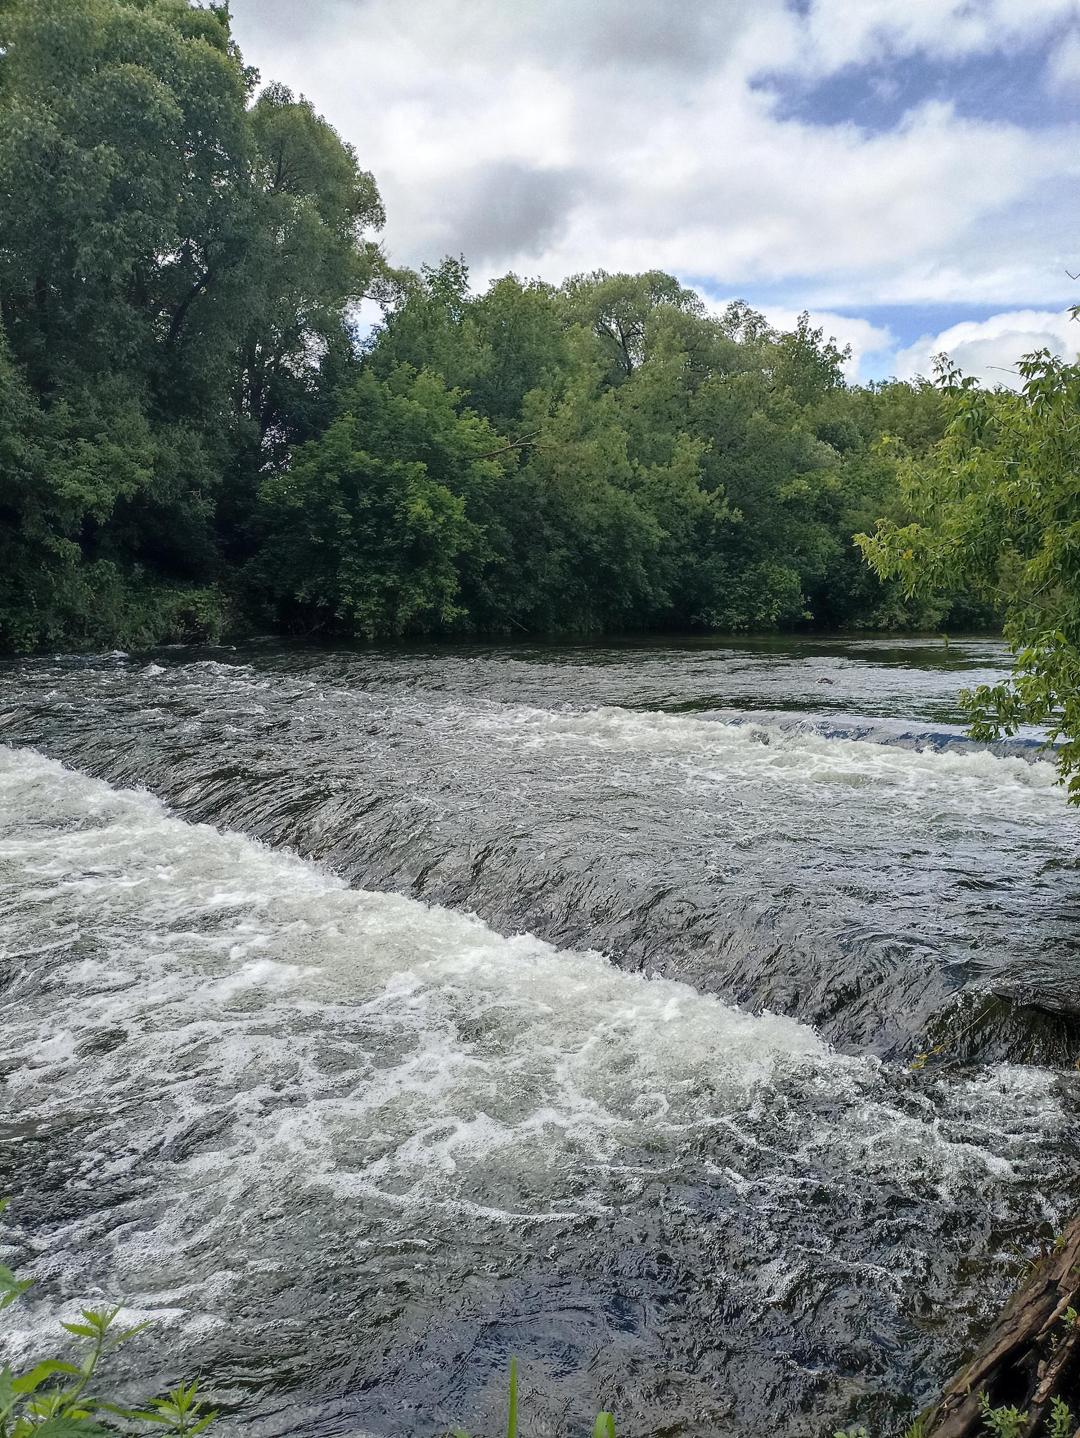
7, 1392
512, 1411
64, 1427
33, 1379
11, 1287
9, 1293
127, 1333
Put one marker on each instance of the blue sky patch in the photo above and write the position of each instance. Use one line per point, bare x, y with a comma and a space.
1001, 86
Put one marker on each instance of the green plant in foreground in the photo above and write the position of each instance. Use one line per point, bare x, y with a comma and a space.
1012, 1422
1002, 1422
1062, 1423
604, 1427
1005, 1422
57, 1397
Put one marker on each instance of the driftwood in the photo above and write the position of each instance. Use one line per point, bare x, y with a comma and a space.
1030, 1356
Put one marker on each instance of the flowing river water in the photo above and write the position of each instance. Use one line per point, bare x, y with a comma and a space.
371, 1017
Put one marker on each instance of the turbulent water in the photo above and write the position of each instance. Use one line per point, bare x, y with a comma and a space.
368, 1018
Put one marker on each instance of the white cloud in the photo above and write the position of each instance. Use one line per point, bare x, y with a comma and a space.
839, 33
551, 137
991, 348
1063, 67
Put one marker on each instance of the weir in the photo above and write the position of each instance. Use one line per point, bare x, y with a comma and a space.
899, 899
352, 1148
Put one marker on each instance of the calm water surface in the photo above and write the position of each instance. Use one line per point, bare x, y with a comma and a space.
369, 1017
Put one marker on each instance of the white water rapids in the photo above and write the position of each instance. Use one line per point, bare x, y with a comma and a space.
368, 1018
256, 1080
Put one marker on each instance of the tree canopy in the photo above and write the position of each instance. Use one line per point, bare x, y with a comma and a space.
996, 508
195, 435
176, 270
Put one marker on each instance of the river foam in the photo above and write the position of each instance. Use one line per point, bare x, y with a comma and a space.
233, 1080
883, 880
795, 754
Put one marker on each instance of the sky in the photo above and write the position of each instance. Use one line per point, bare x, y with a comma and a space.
907, 170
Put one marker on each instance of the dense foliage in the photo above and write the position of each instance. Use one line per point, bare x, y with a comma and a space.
997, 513
604, 455
176, 267
192, 436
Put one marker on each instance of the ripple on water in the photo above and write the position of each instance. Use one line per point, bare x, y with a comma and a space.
352, 1150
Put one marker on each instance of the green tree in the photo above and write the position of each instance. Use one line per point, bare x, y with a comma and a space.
674, 468
997, 512
432, 326
806, 363
524, 346
306, 260
176, 272
368, 530
620, 309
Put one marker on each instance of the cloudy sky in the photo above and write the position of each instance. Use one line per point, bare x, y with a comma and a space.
908, 170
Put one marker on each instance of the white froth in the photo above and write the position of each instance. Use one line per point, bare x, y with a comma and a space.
233, 1025
806, 764
460, 1041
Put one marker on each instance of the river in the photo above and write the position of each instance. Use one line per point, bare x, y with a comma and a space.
369, 1017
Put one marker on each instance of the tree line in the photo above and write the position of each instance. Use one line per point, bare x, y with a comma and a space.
194, 438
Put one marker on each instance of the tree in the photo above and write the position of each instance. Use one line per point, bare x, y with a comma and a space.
807, 363
619, 310
368, 530
306, 260
176, 275
524, 345
666, 466
123, 147
997, 512
431, 326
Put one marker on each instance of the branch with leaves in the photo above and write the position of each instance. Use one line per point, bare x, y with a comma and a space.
997, 512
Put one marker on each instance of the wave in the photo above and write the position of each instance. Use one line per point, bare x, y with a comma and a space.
795, 751
886, 881
233, 1080
1030, 745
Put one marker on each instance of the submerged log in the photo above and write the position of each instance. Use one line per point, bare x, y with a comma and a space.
1030, 1356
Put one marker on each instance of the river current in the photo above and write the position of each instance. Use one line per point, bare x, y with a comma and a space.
371, 1017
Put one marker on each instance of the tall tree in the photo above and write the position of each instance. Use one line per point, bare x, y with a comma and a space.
368, 530
176, 268
997, 511
620, 309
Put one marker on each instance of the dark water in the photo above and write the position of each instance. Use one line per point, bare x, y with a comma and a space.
565, 1009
